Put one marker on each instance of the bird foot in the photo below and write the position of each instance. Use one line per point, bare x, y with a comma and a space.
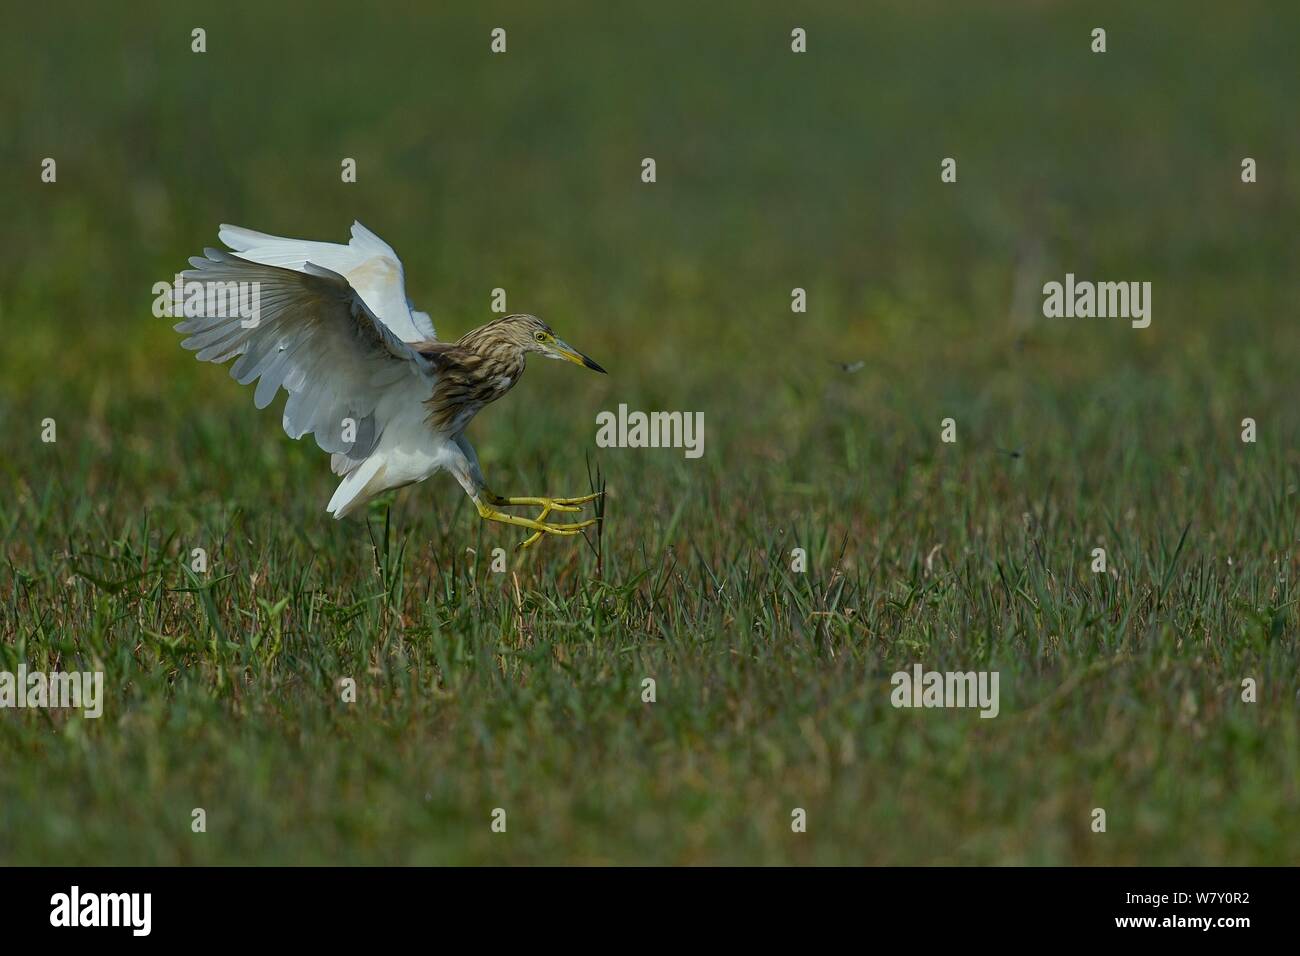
539, 525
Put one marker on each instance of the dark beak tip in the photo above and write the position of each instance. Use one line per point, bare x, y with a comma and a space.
593, 366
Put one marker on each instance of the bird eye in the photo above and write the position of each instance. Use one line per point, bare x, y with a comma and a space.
540, 336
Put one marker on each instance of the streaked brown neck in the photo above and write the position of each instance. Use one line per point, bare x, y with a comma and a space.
477, 369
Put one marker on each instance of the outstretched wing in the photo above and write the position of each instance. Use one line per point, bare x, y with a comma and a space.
368, 263
310, 333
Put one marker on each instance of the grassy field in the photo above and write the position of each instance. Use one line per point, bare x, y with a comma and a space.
523, 690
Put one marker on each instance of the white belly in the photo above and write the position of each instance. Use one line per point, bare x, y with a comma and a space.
408, 451
412, 450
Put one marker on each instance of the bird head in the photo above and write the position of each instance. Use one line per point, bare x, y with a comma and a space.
531, 334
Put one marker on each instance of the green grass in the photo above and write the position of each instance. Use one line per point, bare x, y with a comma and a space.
522, 690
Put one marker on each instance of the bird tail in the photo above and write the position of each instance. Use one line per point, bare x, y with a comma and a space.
363, 482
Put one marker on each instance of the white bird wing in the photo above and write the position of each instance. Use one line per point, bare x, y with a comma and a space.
316, 338
368, 263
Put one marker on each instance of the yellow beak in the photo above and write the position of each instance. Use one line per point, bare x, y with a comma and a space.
563, 350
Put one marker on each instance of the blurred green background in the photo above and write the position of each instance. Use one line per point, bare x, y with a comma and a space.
775, 171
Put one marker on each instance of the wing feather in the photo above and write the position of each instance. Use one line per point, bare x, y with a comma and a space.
313, 335
369, 264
